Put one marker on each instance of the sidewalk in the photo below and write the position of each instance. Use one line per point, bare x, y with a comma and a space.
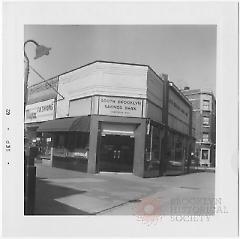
66, 192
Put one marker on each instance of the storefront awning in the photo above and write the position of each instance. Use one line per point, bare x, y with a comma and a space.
33, 125
73, 124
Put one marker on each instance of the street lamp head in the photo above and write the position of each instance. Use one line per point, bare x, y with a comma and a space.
41, 51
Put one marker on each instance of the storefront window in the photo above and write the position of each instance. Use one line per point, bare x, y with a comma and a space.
71, 144
58, 140
176, 152
82, 140
152, 151
61, 140
170, 146
156, 145
46, 144
178, 149
71, 140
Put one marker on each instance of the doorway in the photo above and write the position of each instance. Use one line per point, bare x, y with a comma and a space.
205, 157
116, 153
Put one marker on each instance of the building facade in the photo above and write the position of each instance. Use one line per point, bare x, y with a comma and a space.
108, 116
204, 108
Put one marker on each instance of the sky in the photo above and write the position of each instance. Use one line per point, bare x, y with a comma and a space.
187, 53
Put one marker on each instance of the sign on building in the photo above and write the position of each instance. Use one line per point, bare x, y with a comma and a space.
39, 112
43, 91
120, 106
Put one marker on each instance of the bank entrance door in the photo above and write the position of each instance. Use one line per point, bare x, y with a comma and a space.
116, 153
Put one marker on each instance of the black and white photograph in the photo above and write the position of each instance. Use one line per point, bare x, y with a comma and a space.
121, 121
112, 137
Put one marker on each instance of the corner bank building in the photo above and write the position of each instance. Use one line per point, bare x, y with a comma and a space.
108, 116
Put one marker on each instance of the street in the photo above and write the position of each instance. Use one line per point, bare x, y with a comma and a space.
66, 192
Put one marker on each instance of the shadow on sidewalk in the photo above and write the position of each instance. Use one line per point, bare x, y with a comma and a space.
45, 203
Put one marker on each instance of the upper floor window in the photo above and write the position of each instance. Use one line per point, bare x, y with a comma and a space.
206, 105
205, 137
205, 120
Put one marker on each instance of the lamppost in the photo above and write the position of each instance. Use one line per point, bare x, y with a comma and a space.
40, 51
29, 168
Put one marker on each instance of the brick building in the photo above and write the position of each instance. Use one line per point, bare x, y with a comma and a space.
204, 109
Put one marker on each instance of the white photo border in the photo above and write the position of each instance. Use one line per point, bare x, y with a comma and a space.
222, 14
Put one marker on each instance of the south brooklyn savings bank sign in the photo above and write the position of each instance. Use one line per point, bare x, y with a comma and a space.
116, 106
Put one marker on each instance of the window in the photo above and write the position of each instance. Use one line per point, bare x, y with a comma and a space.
205, 137
205, 120
59, 140
178, 149
206, 105
156, 144
82, 140
205, 154
71, 140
